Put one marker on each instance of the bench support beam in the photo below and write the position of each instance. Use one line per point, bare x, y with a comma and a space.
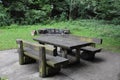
77, 55
21, 52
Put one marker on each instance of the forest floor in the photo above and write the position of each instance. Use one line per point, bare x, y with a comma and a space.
106, 66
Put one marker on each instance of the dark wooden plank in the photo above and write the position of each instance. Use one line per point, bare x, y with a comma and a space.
32, 45
51, 60
20, 51
56, 61
62, 41
42, 61
48, 64
77, 55
88, 39
91, 49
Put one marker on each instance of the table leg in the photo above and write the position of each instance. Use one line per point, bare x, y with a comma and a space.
77, 55
55, 51
64, 54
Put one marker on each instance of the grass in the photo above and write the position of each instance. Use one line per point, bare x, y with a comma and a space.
91, 28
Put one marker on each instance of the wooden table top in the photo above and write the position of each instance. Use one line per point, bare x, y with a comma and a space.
62, 41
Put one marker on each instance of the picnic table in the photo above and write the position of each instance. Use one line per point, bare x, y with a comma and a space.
65, 43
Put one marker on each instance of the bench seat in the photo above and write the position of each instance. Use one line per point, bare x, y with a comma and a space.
89, 52
48, 64
91, 49
53, 61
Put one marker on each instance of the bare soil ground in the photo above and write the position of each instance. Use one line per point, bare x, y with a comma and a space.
106, 66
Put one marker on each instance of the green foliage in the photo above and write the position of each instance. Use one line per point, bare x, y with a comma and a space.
3, 78
28, 11
108, 9
99, 9
40, 11
115, 21
35, 16
4, 17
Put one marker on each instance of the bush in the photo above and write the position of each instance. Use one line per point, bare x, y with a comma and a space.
29, 11
116, 21
41, 11
4, 17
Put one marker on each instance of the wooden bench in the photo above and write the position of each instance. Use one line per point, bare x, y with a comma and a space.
48, 64
88, 52
53, 31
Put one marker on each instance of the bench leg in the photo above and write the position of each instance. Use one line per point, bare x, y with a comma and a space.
64, 54
48, 71
42, 70
55, 51
21, 57
87, 55
77, 55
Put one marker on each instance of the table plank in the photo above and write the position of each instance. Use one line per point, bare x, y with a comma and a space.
62, 41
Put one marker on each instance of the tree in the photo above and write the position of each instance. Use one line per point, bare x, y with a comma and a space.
38, 11
73, 4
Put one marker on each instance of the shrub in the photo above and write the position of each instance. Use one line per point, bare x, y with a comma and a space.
35, 16
115, 21
4, 17
41, 11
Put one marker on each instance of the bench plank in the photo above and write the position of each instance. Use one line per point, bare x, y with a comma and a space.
50, 60
32, 45
92, 49
89, 51
87, 39
30, 52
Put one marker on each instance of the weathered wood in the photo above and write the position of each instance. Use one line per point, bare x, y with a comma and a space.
42, 62
20, 51
87, 39
55, 51
77, 55
61, 41
88, 51
32, 45
50, 71
28, 60
87, 55
54, 31
65, 52
51, 60
42, 31
57, 31
66, 31
31, 52
91, 49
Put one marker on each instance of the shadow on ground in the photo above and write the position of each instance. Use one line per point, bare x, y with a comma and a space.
98, 60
